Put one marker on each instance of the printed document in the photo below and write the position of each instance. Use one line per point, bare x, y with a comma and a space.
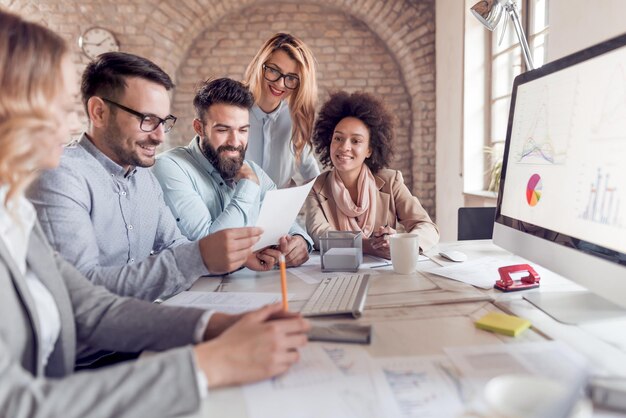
425, 386
329, 381
227, 302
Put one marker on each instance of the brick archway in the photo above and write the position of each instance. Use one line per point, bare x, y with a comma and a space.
164, 30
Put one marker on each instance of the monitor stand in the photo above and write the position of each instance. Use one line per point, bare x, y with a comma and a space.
574, 308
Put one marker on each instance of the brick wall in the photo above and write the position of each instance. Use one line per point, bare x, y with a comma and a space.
384, 47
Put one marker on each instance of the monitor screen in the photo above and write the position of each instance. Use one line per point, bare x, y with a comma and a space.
562, 200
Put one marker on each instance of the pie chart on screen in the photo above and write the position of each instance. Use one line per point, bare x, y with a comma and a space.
533, 190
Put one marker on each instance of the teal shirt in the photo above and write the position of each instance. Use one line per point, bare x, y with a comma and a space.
202, 202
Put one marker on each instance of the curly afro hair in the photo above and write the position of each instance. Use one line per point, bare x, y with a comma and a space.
368, 109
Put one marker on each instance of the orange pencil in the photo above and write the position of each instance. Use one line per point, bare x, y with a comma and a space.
283, 281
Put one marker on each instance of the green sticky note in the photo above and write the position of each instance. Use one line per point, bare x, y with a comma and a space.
503, 324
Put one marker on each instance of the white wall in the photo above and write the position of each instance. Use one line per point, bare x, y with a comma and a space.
449, 56
577, 24
574, 25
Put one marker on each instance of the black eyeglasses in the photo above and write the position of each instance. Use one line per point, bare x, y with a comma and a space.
272, 74
149, 123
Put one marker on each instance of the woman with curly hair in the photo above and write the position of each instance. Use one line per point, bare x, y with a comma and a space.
354, 135
282, 79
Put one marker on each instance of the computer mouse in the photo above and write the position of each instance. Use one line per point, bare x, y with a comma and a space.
453, 255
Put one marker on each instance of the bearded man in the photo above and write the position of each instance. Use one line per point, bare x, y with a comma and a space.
210, 186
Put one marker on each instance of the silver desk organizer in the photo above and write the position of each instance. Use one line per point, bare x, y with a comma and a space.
341, 251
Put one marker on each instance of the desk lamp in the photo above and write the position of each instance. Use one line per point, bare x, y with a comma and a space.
489, 12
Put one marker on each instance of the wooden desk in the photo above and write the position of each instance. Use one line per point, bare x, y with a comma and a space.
421, 330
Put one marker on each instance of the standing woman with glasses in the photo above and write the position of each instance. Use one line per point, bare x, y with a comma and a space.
282, 79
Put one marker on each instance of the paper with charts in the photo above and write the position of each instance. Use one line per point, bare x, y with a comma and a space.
452, 385
278, 213
552, 359
424, 386
329, 381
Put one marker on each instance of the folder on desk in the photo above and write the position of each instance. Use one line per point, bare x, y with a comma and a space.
503, 324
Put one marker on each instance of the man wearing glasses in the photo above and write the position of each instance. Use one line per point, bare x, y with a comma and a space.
103, 211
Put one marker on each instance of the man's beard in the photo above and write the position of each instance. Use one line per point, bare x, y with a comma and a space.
227, 167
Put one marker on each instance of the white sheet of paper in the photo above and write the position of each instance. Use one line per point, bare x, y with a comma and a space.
329, 381
481, 272
382, 263
227, 302
311, 271
278, 213
310, 274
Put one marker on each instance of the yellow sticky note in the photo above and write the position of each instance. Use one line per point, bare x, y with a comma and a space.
503, 324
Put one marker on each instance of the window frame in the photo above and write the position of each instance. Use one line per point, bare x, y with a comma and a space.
494, 141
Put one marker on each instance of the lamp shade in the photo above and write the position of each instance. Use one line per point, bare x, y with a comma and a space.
488, 12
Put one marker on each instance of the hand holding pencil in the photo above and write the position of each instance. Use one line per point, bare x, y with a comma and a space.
380, 237
378, 242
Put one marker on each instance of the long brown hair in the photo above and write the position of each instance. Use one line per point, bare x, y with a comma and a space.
31, 59
303, 100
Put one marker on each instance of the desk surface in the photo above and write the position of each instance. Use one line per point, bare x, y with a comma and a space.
424, 330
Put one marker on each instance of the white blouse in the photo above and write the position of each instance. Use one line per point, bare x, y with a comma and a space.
16, 224
15, 228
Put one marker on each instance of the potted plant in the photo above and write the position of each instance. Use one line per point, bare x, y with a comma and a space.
495, 159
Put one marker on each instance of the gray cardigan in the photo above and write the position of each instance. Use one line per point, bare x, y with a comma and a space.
91, 318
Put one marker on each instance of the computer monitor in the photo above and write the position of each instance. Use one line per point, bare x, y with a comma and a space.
562, 199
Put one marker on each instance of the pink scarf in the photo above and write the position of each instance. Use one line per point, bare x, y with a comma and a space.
359, 217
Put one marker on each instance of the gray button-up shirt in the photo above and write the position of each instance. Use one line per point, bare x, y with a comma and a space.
114, 226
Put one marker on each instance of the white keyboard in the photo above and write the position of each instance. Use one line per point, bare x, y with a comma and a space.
338, 295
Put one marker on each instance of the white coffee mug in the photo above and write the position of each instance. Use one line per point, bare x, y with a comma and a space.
404, 252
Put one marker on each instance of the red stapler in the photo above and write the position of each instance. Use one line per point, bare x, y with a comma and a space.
507, 284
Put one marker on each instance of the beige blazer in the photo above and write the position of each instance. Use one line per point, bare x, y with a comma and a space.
395, 207
91, 318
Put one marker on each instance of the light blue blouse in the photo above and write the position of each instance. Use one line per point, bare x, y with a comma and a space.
269, 145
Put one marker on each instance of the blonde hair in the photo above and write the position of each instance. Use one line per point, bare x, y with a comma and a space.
31, 59
303, 100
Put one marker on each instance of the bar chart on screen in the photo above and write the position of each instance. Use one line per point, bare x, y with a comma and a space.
603, 200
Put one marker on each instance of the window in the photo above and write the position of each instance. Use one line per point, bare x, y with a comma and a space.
504, 63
